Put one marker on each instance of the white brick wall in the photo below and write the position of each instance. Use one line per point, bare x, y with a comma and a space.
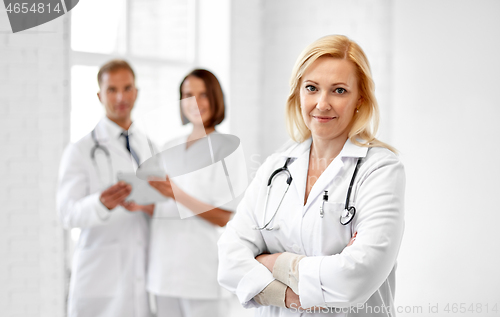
34, 127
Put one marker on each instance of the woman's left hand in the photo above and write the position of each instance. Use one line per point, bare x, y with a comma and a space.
292, 300
132, 206
165, 187
268, 260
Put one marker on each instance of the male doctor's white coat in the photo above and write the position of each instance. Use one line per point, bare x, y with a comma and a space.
109, 265
357, 280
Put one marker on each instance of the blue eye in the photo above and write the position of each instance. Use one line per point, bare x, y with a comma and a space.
340, 91
310, 88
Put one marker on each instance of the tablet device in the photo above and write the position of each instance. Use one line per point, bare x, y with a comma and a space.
142, 193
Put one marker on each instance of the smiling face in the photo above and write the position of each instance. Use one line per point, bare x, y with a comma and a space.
199, 112
329, 95
118, 94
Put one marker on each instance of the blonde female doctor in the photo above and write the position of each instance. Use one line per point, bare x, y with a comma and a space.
319, 229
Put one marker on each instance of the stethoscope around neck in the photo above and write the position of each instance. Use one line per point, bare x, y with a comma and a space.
285, 170
99, 147
345, 218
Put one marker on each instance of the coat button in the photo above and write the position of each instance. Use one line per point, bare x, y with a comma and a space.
296, 248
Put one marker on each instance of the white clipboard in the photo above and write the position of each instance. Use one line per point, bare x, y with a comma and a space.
142, 193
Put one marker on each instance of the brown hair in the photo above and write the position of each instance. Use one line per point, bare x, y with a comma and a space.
214, 94
112, 66
366, 119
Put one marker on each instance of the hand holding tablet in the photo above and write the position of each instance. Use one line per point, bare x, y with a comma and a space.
142, 193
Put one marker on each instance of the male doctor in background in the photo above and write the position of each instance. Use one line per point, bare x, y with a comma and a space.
109, 264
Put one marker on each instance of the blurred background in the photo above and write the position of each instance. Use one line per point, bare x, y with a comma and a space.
436, 67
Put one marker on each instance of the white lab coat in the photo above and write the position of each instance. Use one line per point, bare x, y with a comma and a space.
109, 264
183, 257
331, 274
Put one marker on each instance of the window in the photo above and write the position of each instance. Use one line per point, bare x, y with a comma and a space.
156, 36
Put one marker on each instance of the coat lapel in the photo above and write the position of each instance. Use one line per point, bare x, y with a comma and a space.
334, 168
111, 141
298, 169
325, 180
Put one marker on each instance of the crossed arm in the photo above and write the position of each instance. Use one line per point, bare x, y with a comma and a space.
338, 280
288, 263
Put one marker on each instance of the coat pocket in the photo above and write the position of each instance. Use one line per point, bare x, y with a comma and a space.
96, 272
335, 235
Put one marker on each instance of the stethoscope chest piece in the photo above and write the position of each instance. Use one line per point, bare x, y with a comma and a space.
347, 215
350, 211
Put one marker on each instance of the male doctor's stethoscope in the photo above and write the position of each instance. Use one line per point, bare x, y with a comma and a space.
345, 218
99, 147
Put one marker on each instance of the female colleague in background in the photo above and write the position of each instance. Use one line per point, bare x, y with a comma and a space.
183, 252
286, 250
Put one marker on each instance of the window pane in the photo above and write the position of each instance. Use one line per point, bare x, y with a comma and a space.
86, 110
157, 107
163, 29
99, 26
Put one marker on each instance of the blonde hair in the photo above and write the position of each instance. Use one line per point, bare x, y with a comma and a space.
365, 120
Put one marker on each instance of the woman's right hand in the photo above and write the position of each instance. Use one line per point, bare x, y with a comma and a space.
164, 187
352, 239
292, 300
